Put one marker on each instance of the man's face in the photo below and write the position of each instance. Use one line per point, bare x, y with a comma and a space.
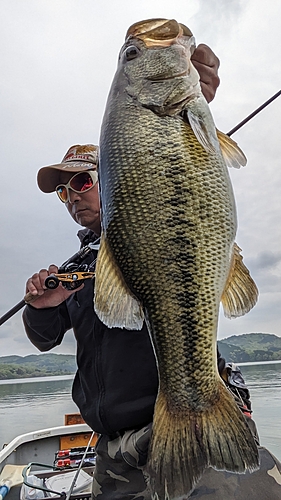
84, 208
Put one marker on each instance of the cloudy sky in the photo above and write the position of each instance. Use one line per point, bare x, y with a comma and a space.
57, 61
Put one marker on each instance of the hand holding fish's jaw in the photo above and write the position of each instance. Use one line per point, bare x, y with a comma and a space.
162, 32
190, 70
165, 81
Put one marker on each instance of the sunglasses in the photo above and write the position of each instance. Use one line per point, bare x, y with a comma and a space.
79, 183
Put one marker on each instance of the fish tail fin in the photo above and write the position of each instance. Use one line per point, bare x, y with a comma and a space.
185, 443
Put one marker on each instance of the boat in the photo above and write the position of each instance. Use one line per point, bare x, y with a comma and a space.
58, 463
55, 462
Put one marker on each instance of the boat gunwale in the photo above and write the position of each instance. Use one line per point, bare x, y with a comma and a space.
41, 434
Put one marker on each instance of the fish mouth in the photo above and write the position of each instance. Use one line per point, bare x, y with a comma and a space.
158, 32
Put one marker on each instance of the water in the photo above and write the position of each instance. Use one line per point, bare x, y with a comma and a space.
32, 404
36, 403
264, 383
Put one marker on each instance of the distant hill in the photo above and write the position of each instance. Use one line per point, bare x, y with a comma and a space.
36, 365
238, 348
251, 347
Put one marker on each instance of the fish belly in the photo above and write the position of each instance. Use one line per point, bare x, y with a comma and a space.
169, 217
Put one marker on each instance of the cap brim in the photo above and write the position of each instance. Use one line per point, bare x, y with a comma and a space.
48, 178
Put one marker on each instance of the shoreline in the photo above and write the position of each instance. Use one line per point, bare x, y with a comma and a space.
50, 378
47, 378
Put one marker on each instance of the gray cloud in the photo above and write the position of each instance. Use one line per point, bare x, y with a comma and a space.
267, 260
213, 20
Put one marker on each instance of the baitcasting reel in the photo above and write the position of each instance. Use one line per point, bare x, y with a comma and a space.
73, 272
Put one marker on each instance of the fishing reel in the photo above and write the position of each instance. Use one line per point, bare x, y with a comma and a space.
73, 272
70, 280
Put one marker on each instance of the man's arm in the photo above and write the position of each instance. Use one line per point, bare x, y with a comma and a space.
45, 328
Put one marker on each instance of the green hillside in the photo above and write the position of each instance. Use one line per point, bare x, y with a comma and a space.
251, 347
36, 365
238, 348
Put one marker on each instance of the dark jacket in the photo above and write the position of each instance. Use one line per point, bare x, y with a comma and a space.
116, 382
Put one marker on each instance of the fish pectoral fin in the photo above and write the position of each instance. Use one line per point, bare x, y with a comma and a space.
114, 303
233, 155
240, 294
201, 121
204, 134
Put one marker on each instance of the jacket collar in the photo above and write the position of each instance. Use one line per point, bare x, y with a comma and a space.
86, 236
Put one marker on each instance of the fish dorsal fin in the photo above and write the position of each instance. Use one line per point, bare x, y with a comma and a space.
233, 155
201, 122
240, 293
114, 303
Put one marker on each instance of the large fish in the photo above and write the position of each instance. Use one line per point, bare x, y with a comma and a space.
168, 253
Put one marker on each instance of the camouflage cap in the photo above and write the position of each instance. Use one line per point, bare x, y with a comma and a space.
78, 158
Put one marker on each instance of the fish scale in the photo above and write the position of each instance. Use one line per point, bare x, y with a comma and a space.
169, 224
195, 229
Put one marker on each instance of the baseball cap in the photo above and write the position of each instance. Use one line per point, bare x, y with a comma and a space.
78, 158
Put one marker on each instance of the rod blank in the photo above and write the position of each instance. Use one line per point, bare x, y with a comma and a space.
254, 113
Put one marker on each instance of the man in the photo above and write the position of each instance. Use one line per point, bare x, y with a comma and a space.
116, 382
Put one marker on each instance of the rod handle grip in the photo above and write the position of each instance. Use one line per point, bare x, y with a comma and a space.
30, 298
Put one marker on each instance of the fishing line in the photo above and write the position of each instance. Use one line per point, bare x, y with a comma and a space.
68, 495
254, 113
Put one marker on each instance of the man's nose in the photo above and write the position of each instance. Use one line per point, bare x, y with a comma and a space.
73, 196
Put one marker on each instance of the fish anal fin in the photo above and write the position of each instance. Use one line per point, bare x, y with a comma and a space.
185, 442
114, 303
233, 155
241, 293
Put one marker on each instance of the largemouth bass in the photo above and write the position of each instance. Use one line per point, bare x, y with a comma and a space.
167, 253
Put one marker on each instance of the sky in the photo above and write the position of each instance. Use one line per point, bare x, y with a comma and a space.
58, 60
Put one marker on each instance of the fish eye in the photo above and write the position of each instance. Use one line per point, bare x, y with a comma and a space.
131, 52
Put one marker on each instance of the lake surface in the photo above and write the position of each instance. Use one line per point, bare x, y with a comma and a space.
264, 383
35, 403
32, 404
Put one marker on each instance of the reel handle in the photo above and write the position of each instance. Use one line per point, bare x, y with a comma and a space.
52, 282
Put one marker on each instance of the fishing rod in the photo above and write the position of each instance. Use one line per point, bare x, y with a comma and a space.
254, 113
71, 275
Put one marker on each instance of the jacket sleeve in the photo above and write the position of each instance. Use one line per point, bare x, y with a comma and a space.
221, 362
45, 328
